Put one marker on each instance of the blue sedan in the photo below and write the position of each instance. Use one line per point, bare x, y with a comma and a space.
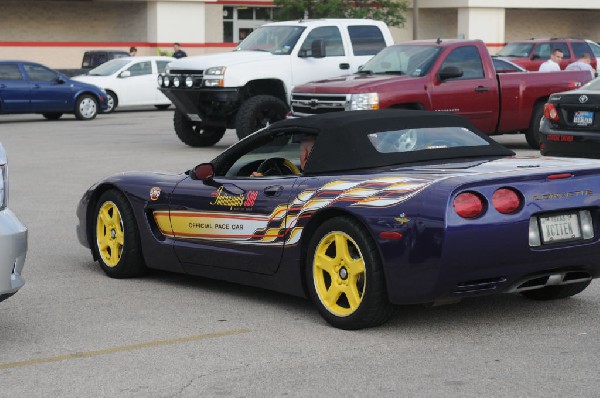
28, 87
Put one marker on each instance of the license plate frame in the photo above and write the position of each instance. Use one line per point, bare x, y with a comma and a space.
583, 118
560, 227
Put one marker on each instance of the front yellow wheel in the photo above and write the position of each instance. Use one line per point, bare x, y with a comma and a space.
109, 234
345, 275
339, 273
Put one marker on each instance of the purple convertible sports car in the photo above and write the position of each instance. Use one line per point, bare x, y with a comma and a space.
392, 207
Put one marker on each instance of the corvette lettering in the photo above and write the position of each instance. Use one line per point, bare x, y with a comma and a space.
550, 196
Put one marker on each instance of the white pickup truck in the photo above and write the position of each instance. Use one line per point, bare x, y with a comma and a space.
250, 87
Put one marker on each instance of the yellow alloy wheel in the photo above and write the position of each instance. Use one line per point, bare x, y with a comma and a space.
339, 273
109, 234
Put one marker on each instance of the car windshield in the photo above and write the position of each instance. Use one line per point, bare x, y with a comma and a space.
278, 40
109, 68
516, 50
403, 60
417, 139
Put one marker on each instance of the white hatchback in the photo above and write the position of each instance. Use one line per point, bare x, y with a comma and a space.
130, 81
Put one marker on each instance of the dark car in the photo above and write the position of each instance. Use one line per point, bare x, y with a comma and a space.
28, 87
571, 123
392, 207
530, 54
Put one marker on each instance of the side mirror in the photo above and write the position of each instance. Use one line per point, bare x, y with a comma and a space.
60, 80
202, 172
317, 48
536, 56
125, 73
450, 72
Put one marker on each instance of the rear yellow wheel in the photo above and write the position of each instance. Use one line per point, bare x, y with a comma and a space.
116, 236
339, 273
345, 275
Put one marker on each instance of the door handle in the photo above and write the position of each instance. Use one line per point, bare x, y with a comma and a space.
36, 86
273, 190
482, 89
344, 66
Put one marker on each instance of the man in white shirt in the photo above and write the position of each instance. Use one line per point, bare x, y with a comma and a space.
582, 63
553, 64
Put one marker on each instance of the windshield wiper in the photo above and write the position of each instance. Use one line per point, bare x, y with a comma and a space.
394, 72
365, 72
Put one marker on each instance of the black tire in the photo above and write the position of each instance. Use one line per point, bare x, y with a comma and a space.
556, 292
52, 116
86, 107
194, 134
162, 107
532, 135
118, 246
258, 112
112, 101
363, 280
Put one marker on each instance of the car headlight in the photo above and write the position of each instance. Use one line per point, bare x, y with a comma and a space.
166, 81
3, 187
364, 101
189, 81
176, 81
217, 70
160, 80
213, 77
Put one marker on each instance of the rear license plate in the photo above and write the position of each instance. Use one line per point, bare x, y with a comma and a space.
560, 227
583, 118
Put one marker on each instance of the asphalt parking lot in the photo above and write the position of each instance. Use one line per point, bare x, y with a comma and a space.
73, 332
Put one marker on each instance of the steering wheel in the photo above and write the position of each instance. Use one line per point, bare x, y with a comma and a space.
277, 167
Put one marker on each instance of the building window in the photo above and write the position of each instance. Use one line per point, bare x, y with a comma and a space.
239, 22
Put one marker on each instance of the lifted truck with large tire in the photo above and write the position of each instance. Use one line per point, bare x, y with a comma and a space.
250, 87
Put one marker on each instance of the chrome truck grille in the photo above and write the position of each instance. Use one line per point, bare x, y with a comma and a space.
315, 104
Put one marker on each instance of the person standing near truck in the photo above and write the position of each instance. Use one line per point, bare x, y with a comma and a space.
583, 63
132, 51
178, 52
553, 64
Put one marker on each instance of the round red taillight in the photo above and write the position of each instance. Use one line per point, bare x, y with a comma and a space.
550, 112
468, 205
506, 200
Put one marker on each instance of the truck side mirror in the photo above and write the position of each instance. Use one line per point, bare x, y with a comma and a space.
317, 48
125, 73
535, 56
450, 72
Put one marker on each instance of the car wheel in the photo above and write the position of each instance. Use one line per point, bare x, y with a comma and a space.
52, 116
532, 135
86, 107
556, 292
162, 107
116, 237
345, 276
112, 101
195, 134
258, 112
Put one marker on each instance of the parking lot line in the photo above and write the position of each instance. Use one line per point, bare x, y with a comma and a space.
149, 344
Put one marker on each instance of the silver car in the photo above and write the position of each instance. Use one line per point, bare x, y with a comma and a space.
13, 240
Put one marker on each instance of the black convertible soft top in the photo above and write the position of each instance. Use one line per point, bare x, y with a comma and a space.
343, 143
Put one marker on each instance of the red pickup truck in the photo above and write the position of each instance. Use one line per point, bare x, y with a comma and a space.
455, 76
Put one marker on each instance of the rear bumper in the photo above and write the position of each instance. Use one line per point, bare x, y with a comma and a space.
13, 249
569, 142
